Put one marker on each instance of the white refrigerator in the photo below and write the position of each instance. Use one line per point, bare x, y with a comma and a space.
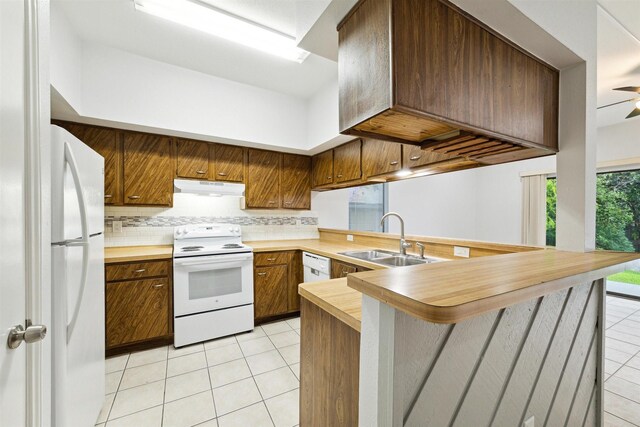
78, 321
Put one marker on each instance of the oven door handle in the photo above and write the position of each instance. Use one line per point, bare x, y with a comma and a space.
213, 260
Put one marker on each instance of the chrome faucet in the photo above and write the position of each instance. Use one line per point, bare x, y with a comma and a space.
403, 243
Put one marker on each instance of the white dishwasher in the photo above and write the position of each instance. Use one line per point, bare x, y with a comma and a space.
316, 267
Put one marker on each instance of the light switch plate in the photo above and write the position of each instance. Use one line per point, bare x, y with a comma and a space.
117, 227
350, 237
531, 422
461, 251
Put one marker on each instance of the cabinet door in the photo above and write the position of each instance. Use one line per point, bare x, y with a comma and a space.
322, 168
229, 163
193, 159
296, 181
148, 176
346, 161
380, 157
263, 179
413, 156
340, 269
105, 142
295, 278
270, 290
136, 310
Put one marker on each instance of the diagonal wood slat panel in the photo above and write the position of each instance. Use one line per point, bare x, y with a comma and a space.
531, 359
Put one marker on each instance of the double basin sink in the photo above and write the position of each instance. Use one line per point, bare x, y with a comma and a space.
388, 258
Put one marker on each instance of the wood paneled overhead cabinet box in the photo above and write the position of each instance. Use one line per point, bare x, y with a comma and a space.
423, 72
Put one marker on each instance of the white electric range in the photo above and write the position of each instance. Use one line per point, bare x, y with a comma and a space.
212, 283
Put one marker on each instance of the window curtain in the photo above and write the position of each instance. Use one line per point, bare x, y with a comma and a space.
534, 210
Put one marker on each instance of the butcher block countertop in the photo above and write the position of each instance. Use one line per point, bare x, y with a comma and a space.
137, 253
450, 292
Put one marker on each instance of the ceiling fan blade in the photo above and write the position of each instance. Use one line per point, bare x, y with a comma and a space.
629, 89
635, 112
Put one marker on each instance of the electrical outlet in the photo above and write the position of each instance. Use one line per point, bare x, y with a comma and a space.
461, 251
531, 422
350, 237
117, 227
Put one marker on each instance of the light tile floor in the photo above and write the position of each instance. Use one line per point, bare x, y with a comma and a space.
250, 379
622, 363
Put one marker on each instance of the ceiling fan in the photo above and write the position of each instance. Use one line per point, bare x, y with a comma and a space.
635, 111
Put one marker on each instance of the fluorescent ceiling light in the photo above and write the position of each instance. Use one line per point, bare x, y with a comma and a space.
218, 23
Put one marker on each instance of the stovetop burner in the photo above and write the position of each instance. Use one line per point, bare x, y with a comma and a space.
232, 246
192, 248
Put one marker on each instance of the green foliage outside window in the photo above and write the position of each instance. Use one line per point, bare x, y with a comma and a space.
617, 211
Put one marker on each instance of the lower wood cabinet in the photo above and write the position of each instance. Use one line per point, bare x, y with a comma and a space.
275, 283
340, 269
138, 305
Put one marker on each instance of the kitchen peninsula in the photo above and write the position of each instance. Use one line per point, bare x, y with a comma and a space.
509, 337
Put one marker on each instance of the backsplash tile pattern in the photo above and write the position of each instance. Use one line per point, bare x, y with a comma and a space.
154, 226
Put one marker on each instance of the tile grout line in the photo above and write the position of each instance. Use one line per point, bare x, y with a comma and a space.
638, 352
164, 391
213, 399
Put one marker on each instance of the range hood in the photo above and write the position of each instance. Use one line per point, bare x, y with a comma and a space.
208, 188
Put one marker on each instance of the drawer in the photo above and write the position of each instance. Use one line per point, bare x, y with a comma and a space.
137, 270
273, 258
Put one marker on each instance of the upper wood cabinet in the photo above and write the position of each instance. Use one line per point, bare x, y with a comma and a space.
450, 73
347, 164
105, 142
263, 179
229, 163
380, 157
296, 181
192, 159
414, 157
322, 168
148, 172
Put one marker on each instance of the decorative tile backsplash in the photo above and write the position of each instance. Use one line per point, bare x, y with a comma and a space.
154, 226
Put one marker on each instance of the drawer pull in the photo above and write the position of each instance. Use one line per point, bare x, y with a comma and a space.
159, 285
271, 259
339, 175
393, 163
140, 270
134, 197
262, 274
108, 196
287, 203
329, 177
200, 172
271, 202
222, 174
345, 272
414, 157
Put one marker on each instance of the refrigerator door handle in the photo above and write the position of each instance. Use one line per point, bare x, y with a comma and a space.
83, 241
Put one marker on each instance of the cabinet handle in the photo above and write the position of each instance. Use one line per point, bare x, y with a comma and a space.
271, 259
271, 202
393, 163
414, 157
222, 174
262, 274
134, 197
159, 285
108, 196
141, 270
287, 203
345, 272
329, 177
339, 175
200, 172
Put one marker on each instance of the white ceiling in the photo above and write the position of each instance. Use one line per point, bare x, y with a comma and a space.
618, 57
115, 23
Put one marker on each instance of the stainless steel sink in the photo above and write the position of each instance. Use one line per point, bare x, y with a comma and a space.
369, 255
389, 258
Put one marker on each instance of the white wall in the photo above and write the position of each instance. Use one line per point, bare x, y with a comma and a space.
619, 141
65, 59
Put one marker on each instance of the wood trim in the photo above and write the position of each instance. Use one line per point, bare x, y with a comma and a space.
337, 299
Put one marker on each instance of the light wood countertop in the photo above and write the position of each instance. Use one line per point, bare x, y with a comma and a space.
137, 253
336, 298
454, 291
316, 246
